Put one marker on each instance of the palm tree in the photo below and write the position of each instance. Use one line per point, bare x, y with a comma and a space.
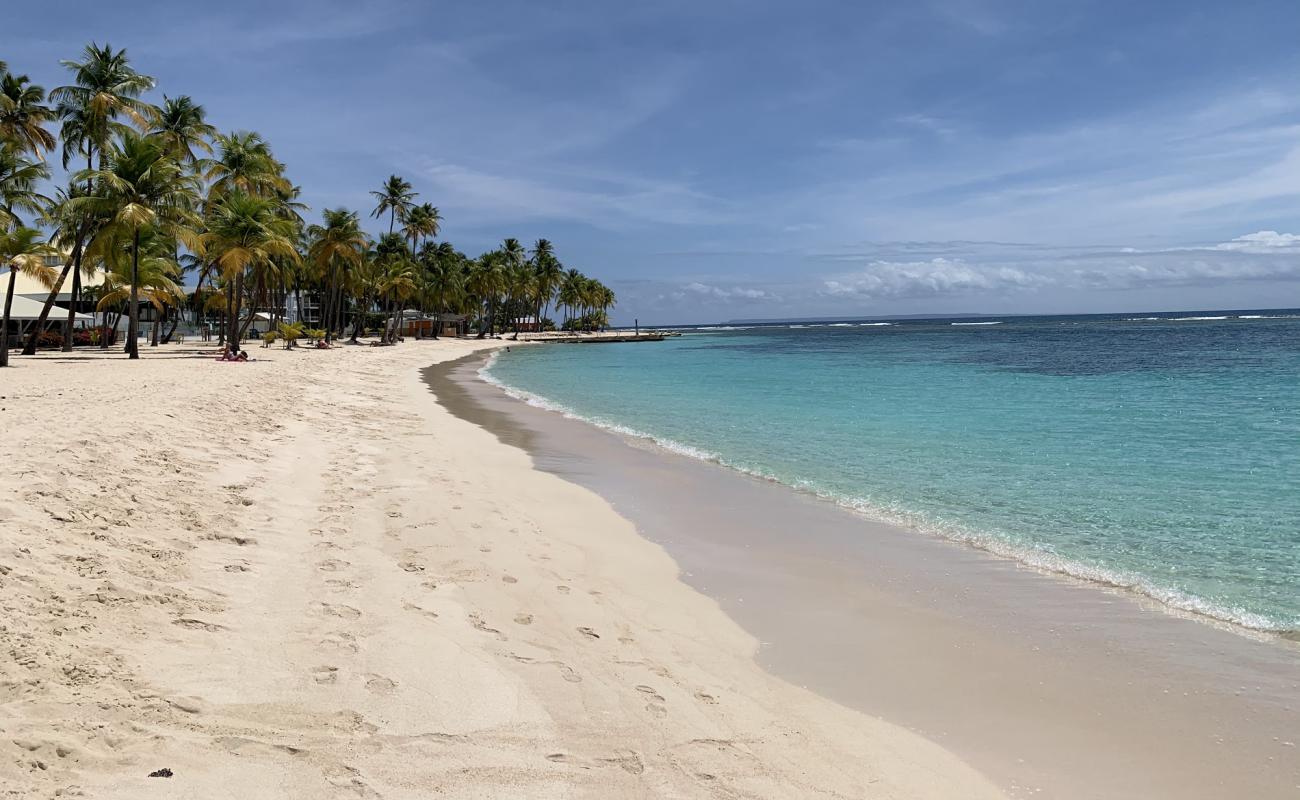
19, 177
395, 198
247, 232
361, 285
22, 251
139, 186
549, 272
152, 276
333, 247
244, 163
23, 115
182, 125
421, 222
72, 228
485, 282
105, 87
444, 277
570, 294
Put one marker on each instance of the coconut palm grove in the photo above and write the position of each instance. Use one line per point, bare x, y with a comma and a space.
163, 214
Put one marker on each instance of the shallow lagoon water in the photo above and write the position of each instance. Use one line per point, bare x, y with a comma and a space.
1155, 451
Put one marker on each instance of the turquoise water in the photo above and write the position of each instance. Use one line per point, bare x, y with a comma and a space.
1150, 451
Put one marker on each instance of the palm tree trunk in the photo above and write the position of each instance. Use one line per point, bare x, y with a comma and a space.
357, 316
9, 302
159, 316
236, 296
133, 326
76, 297
259, 291
171, 330
108, 329
29, 348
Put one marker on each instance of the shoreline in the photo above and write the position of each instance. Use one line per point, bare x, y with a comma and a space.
335, 588
1172, 602
1098, 652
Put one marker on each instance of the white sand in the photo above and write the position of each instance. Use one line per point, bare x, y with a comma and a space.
302, 578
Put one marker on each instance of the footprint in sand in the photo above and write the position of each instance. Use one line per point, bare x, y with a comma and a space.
339, 610
704, 697
649, 691
479, 624
198, 624
411, 566
325, 674
418, 610
242, 541
523, 619
378, 683
331, 565
509, 579
562, 589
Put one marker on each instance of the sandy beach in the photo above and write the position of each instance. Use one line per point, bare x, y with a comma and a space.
302, 577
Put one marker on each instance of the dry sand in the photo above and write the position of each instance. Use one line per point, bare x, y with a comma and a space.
301, 577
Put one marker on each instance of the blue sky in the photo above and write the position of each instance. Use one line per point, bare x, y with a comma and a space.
716, 160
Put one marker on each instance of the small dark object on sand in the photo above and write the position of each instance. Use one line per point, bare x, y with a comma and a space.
161, 773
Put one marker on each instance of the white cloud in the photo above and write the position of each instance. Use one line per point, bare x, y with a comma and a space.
1261, 242
972, 268
741, 293
938, 276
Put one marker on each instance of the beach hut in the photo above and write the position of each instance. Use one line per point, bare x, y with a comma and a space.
451, 324
419, 324
25, 311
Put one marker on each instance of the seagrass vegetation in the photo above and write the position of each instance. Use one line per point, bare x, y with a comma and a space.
158, 213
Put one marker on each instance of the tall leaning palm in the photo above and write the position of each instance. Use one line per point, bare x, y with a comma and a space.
395, 198
105, 89
22, 251
71, 228
23, 115
140, 184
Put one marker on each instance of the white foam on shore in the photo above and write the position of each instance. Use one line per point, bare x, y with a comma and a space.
999, 322
1036, 557
1197, 319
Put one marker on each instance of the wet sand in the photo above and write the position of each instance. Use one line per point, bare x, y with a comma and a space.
1053, 687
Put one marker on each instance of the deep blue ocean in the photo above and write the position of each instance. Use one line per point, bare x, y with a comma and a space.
1160, 452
